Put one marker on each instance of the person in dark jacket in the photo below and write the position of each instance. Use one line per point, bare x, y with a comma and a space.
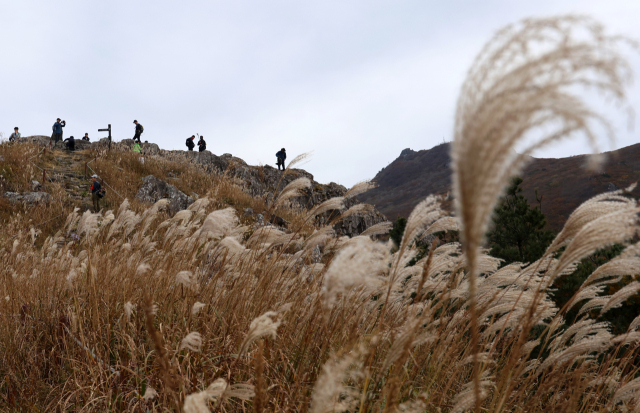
71, 143
202, 145
139, 130
95, 189
281, 156
15, 135
190, 143
57, 130
86, 137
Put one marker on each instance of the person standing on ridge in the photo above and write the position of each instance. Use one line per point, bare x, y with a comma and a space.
86, 137
57, 130
139, 130
95, 190
15, 135
190, 143
202, 145
71, 143
281, 156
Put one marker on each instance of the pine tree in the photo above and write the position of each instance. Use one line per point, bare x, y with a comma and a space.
397, 231
518, 232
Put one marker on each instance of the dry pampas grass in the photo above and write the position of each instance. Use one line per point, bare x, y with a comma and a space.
525, 80
139, 311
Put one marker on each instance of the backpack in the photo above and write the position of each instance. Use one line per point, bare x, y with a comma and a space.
189, 143
102, 193
141, 128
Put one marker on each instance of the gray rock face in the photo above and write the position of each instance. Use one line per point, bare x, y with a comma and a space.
355, 224
267, 181
101, 144
154, 189
79, 145
29, 198
147, 148
36, 139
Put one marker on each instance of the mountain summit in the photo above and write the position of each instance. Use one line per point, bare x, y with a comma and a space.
563, 183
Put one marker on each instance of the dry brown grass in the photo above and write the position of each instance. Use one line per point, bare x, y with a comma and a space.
145, 312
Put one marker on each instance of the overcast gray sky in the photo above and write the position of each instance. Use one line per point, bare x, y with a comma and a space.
354, 81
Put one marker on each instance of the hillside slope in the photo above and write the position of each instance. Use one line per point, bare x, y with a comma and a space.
564, 183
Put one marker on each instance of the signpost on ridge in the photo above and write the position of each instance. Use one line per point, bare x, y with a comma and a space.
108, 129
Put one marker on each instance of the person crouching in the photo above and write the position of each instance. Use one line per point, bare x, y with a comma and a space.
95, 191
71, 143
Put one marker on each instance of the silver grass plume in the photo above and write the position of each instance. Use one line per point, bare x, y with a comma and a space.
128, 309
197, 306
360, 264
621, 296
424, 214
328, 205
329, 392
199, 402
357, 209
627, 263
378, 229
588, 211
199, 205
359, 188
298, 159
149, 394
618, 226
218, 224
292, 190
267, 236
233, 246
443, 224
319, 237
522, 80
193, 342
265, 325
186, 279
630, 391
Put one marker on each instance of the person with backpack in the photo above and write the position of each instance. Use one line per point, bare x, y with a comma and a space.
139, 130
190, 143
71, 143
202, 145
57, 130
281, 156
15, 135
96, 190
86, 137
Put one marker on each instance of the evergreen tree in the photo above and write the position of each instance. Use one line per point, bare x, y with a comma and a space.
397, 231
518, 232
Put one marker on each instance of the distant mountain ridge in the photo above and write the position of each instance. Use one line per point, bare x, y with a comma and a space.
563, 183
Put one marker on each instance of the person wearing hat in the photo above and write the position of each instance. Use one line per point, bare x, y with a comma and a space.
139, 130
15, 135
57, 130
281, 156
190, 143
95, 189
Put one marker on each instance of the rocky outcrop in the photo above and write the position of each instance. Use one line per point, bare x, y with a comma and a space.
28, 198
80, 145
260, 181
127, 145
154, 189
355, 224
